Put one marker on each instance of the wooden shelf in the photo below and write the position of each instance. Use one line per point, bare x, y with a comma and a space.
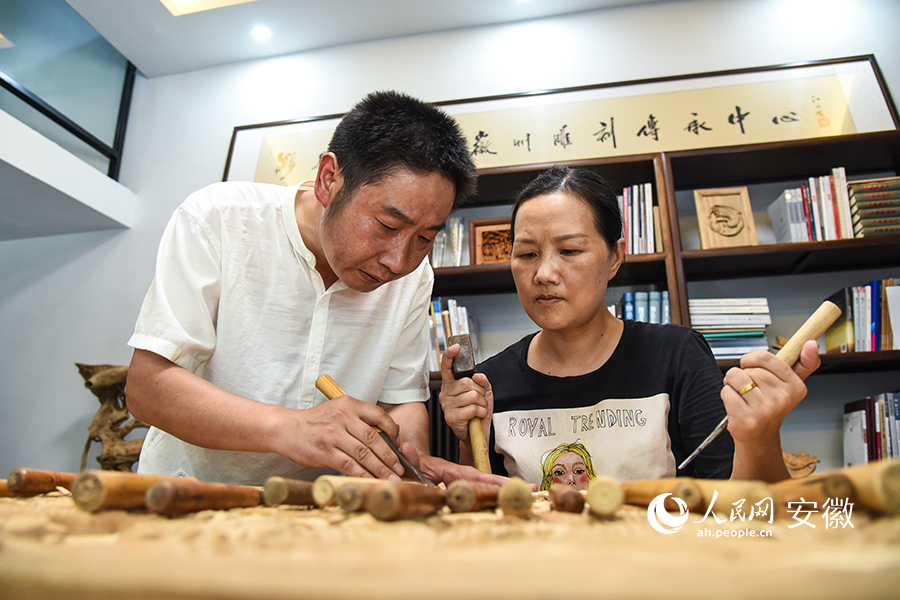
792, 259
501, 185
853, 362
761, 163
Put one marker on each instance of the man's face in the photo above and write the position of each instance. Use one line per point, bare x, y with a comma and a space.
385, 230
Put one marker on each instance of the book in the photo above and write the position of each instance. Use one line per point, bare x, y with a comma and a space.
815, 209
864, 197
842, 200
758, 301
875, 230
874, 185
875, 327
860, 214
840, 337
856, 436
732, 319
789, 222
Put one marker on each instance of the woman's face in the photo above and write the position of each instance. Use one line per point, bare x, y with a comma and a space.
569, 469
560, 262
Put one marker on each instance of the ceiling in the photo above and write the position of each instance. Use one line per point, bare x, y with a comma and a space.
160, 44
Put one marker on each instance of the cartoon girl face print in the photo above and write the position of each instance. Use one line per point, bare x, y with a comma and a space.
569, 464
570, 469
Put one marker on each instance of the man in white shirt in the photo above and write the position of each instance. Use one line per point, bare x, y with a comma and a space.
259, 289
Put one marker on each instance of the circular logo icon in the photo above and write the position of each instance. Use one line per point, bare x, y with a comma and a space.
659, 517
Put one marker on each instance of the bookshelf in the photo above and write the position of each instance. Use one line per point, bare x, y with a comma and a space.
674, 175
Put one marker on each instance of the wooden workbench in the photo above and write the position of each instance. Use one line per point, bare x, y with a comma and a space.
51, 549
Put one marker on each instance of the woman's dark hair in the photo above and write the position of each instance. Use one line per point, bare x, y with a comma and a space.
587, 185
387, 130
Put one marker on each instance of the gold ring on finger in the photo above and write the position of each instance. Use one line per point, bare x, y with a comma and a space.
746, 388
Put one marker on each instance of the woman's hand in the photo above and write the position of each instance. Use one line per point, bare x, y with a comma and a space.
758, 396
465, 398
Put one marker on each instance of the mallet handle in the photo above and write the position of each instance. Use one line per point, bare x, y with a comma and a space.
464, 366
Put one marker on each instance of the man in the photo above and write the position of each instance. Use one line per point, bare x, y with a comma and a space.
259, 289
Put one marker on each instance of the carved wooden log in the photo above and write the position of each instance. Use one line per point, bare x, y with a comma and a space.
389, 501
818, 489
31, 482
565, 498
180, 496
641, 493
102, 490
515, 498
351, 496
604, 496
278, 490
325, 488
471, 496
877, 485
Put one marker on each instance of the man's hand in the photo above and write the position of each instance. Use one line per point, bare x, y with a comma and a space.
340, 434
440, 470
336, 434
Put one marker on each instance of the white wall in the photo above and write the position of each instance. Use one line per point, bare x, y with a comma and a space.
75, 298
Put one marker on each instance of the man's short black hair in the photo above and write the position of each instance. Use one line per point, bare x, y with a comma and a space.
389, 129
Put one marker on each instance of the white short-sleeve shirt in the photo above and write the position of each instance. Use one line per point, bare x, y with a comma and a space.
237, 300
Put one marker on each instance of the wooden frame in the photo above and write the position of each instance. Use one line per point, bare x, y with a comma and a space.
489, 241
668, 114
725, 217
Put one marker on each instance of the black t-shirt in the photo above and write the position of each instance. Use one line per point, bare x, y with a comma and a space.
636, 417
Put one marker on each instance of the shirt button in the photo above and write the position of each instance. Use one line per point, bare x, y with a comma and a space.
313, 358
308, 257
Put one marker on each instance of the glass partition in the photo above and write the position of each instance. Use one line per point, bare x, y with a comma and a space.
60, 77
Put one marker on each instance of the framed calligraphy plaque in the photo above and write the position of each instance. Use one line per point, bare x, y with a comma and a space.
489, 241
725, 218
725, 108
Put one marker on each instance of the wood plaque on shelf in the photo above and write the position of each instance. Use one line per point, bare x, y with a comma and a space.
725, 218
489, 241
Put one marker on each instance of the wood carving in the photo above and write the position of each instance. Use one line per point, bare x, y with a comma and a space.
113, 422
799, 464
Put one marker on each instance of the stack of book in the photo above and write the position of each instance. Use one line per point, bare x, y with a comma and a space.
449, 318
640, 220
732, 326
865, 323
872, 429
816, 211
649, 307
875, 206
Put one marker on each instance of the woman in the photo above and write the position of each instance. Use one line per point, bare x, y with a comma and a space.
639, 396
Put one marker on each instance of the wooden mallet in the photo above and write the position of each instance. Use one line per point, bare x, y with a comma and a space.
464, 366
